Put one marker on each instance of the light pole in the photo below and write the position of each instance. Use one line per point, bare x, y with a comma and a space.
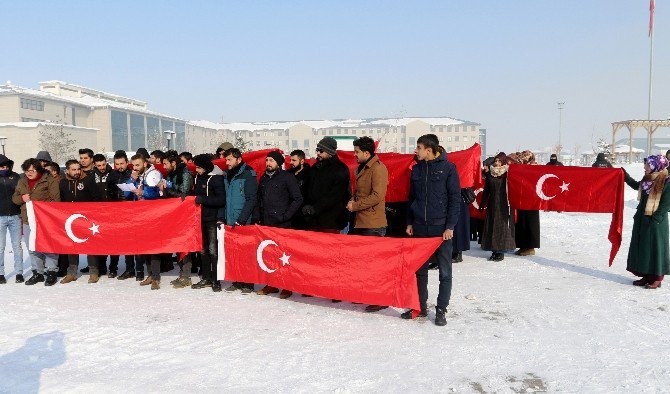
560, 126
2, 142
169, 134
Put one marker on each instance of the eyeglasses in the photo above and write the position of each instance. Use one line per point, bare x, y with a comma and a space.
31, 170
319, 150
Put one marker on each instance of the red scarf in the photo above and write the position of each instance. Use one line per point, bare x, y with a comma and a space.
33, 182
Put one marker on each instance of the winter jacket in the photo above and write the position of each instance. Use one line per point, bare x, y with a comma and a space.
370, 197
100, 181
241, 191
601, 162
43, 156
8, 184
279, 199
329, 192
179, 181
79, 190
434, 193
46, 189
115, 178
554, 162
149, 191
298, 221
210, 192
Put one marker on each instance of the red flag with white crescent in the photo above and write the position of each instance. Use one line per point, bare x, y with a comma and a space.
115, 228
570, 189
369, 270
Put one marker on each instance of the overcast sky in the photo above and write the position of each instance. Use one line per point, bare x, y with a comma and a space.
504, 64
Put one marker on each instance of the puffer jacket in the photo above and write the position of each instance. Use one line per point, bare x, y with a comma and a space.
241, 191
434, 193
210, 192
279, 198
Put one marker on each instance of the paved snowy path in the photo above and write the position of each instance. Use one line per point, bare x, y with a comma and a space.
559, 321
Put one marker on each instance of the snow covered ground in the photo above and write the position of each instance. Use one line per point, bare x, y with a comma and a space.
559, 321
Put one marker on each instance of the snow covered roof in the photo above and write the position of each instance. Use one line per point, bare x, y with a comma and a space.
85, 100
325, 124
626, 148
32, 125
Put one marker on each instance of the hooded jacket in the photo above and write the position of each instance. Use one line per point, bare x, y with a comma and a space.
8, 184
601, 162
241, 188
79, 190
434, 193
43, 156
210, 192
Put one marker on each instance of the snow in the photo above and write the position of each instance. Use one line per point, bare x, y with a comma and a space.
32, 125
558, 321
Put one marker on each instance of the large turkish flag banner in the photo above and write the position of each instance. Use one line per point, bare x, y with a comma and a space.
115, 228
369, 270
570, 189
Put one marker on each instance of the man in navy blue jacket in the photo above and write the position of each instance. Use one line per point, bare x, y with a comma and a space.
433, 208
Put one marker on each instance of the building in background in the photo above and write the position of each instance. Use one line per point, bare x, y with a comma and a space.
107, 122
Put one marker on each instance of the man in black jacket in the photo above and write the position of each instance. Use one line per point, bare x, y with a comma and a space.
210, 192
75, 188
433, 207
100, 174
329, 190
553, 160
302, 172
10, 219
601, 162
279, 199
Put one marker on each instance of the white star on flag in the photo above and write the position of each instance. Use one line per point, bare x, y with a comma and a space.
564, 187
95, 228
284, 259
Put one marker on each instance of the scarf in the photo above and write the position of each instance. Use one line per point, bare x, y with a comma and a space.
498, 171
652, 184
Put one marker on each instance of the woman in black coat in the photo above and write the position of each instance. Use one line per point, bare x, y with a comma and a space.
498, 233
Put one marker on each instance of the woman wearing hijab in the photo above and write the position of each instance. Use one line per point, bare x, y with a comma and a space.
527, 229
649, 254
498, 233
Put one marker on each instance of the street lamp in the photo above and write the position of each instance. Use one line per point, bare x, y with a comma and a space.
2, 142
560, 126
169, 134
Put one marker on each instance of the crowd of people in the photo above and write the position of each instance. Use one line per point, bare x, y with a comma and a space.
317, 198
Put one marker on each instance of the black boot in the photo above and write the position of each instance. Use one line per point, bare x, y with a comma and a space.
457, 257
51, 278
112, 274
499, 257
202, 284
440, 318
36, 278
19, 278
126, 275
139, 276
2, 280
408, 314
216, 286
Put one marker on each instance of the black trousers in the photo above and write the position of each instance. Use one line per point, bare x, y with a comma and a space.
210, 253
443, 257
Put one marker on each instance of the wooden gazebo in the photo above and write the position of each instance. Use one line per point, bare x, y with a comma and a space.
650, 125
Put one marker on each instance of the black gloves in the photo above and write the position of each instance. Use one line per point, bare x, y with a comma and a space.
308, 210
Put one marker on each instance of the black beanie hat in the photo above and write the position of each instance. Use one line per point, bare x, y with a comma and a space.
144, 152
277, 156
204, 161
329, 145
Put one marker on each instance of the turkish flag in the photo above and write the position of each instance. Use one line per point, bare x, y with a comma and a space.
369, 270
254, 159
115, 228
570, 189
474, 207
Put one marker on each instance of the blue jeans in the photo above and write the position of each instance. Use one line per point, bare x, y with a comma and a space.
39, 260
443, 257
13, 225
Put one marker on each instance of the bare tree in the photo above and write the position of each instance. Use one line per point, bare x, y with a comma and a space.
241, 144
58, 141
156, 141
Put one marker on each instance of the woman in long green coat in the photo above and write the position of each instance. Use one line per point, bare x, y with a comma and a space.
649, 253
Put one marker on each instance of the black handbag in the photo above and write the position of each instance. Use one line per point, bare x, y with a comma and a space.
468, 195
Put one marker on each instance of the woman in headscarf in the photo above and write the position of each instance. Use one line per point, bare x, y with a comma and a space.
649, 254
527, 230
498, 233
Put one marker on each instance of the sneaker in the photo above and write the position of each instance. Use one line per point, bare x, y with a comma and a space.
36, 278
19, 278
457, 257
180, 283
68, 279
248, 289
202, 284
407, 315
126, 275
112, 274
440, 318
139, 276
93, 278
375, 308
155, 284
2, 280
51, 278
147, 281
